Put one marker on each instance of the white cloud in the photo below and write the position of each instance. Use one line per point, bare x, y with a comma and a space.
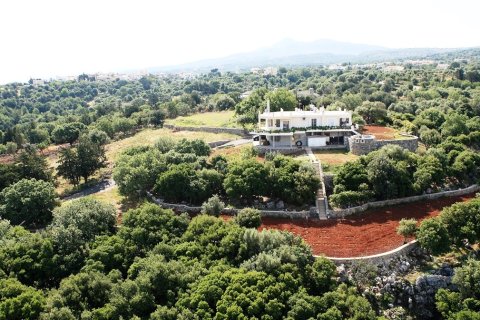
47, 38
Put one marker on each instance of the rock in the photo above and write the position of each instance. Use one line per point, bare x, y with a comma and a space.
432, 282
270, 205
280, 205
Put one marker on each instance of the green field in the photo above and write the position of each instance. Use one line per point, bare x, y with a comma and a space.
223, 119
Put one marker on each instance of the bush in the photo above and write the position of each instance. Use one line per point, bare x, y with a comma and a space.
432, 235
347, 199
213, 206
249, 218
407, 228
197, 146
165, 144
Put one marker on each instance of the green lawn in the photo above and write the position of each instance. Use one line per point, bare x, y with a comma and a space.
207, 119
332, 159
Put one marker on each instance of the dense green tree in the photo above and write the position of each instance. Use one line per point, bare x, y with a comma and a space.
29, 257
18, 302
81, 161
281, 98
373, 112
28, 202
461, 221
433, 236
67, 133
245, 179
31, 164
455, 124
136, 173
196, 146
148, 225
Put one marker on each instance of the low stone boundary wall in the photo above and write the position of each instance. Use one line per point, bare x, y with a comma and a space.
215, 144
233, 211
378, 258
378, 204
368, 145
237, 131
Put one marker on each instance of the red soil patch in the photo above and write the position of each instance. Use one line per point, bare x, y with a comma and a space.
370, 233
381, 133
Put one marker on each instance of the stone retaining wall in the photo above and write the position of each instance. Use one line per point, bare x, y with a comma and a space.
392, 202
233, 211
237, 131
359, 146
215, 144
378, 258
328, 180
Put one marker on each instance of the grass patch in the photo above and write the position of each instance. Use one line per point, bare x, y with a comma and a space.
149, 137
334, 158
111, 195
223, 119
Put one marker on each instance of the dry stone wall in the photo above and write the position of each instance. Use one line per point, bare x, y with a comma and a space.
339, 213
237, 131
360, 146
380, 258
305, 214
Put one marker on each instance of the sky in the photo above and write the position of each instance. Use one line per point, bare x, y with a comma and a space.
47, 38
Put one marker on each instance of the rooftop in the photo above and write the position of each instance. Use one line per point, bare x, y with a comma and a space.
299, 113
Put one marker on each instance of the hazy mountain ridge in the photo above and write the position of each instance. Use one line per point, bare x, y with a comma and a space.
294, 53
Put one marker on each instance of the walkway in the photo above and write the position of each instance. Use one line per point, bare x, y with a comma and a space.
321, 197
102, 186
372, 232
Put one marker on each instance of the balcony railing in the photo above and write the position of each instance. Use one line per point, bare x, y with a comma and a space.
303, 129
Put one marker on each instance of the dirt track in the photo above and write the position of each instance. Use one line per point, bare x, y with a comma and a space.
369, 233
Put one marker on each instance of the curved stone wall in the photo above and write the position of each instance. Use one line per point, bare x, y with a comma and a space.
378, 258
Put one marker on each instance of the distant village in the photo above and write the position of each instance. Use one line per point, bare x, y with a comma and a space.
265, 71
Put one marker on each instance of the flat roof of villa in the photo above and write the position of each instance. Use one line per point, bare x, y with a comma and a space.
304, 114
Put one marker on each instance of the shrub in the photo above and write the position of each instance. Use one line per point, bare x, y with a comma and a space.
407, 228
249, 218
213, 206
165, 144
432, 235
347, 199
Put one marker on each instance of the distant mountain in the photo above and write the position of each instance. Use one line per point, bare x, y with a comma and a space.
294, 53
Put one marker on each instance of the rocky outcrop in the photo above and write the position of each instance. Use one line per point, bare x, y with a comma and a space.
395, 294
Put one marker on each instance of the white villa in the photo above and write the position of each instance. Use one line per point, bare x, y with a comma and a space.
315, 128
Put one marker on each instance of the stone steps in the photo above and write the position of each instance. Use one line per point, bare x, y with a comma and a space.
320, 196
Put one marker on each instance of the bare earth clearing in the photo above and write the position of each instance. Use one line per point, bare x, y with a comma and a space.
370, 233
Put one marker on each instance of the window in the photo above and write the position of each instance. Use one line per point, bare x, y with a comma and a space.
270, 123
286, 125
277, 123
277, 138
314, 123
